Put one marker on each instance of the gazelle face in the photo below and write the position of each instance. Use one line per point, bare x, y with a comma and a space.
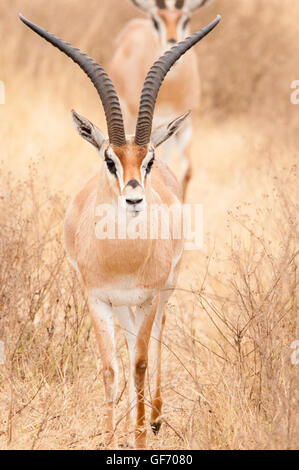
170, 18
129, 167
171, 25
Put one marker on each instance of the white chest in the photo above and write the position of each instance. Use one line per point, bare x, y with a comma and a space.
120, 296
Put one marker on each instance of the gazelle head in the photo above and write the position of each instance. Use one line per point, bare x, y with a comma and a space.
129, 160
170, 18
128, 166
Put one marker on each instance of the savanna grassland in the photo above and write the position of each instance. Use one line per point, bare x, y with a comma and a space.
228, 380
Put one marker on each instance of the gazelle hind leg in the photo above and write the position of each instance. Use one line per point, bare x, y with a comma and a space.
103, 321
184, 144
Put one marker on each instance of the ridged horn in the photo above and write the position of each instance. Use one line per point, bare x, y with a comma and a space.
99, 78
155, 78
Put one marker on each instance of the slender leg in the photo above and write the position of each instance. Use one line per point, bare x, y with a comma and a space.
145, 315
184, 141
103, 321
126, 320
158, 327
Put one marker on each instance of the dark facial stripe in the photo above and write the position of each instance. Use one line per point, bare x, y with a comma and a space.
187, 20
110, 164
179, 4
161, 4
149, 166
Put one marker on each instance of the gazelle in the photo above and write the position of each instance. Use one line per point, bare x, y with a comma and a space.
120, 274
141, 42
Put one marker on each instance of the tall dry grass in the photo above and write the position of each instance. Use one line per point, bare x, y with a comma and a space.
229, 381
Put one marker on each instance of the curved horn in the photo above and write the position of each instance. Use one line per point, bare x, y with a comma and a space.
154, 81
98, 77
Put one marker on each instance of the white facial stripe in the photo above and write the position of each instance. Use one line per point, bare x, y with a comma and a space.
162, 28
144, 165
184, 19
182, 32
119, 168
103, 148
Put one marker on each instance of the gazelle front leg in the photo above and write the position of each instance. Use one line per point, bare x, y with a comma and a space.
157, 398
103, 321
184, 143
126, 320
145, 315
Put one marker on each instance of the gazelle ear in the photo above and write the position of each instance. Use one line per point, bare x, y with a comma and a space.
88, 131
145, 5
192, 5
164, 132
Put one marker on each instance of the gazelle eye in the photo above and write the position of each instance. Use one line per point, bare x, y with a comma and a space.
155, 23
110, 165
149, 166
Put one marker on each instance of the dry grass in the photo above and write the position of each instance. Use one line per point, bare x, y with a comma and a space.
229, 382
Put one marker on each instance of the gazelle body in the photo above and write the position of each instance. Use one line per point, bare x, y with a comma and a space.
141, 43
129, 279
122, 274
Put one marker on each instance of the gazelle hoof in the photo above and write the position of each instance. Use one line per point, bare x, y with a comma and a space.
156, 427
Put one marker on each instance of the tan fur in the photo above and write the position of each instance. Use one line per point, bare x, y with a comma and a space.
171, 20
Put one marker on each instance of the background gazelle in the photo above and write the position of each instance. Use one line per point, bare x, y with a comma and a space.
141, 42
121, 274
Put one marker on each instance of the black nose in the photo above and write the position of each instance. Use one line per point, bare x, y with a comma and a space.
133, 184
132, 202
172, 41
